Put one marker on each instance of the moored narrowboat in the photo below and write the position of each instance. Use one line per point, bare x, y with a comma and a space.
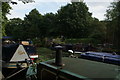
15, 61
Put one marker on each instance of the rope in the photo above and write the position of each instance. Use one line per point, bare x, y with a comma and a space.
15, 73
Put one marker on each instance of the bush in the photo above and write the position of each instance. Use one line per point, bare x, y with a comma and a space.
58, 41
37, 42
82, 40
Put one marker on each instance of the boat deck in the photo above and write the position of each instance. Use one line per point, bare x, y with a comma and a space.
89, 69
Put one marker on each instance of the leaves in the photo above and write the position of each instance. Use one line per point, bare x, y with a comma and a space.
113, 26
74, 18
5, 10
71, 21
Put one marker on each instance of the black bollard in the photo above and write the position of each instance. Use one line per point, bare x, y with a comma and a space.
58, 58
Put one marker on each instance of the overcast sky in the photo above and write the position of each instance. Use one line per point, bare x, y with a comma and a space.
96, 7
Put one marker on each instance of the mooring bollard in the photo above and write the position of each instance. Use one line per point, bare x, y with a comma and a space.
58, 58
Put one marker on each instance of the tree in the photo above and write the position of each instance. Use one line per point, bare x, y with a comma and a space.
5, 10
74, 20
33, 23
97, 30
28, 28
15, 28
113, 17
49, 25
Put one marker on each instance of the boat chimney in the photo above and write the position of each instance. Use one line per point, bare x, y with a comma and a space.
58, 57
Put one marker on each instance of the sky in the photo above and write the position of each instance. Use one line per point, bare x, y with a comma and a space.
96, 7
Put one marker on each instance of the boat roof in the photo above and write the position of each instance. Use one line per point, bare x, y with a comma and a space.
8, 51
14, 53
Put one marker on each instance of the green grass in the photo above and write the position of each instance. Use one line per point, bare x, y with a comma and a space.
45, 54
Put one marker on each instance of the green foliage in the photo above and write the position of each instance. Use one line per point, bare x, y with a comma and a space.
83, 40
71, 21
15, 28
112, 12
74, 20
5, 10
49, 25
41, 42
37, 42
113, 26
45, 54
32, 23
58, 41
98, 31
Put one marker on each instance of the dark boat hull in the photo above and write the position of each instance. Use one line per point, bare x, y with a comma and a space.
14, 73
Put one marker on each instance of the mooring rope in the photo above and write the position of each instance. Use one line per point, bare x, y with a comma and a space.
15, 73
